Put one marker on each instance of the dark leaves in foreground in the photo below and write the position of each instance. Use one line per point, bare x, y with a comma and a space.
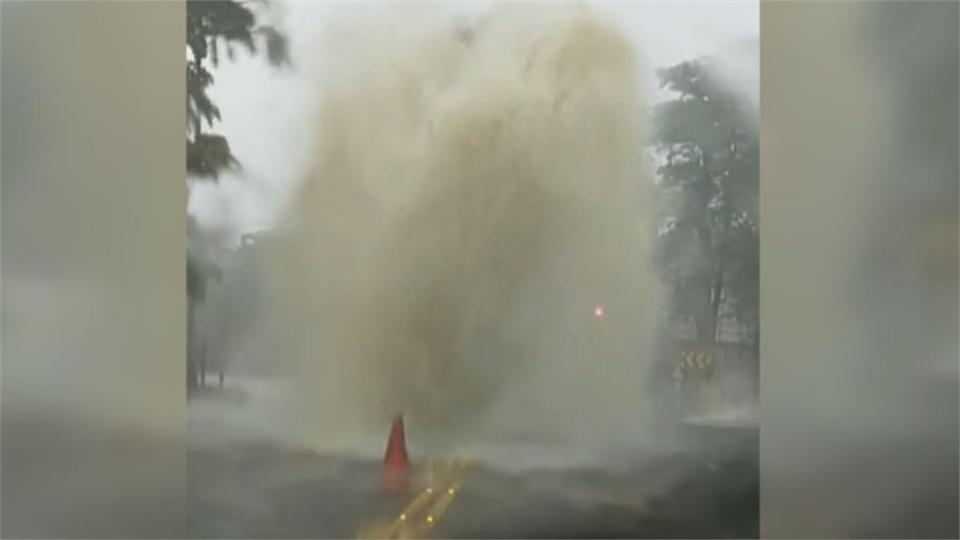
208, 154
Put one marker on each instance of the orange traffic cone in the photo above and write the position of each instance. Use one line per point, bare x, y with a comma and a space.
395, 465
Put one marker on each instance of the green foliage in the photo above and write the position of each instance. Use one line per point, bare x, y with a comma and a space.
208, 154
212, 24
276, 43
212, 20
708, 248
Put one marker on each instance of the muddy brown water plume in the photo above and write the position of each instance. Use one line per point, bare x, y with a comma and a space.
477, 190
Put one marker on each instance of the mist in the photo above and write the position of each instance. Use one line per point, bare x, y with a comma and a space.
475, 194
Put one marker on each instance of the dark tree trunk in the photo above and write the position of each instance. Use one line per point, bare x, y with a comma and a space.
708, 310
703, 319
191, 364
716, 301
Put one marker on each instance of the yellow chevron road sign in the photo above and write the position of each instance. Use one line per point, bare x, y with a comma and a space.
694, 364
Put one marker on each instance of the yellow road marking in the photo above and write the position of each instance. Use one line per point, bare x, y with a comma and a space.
442, 502
440, 507
414, 521
416, 504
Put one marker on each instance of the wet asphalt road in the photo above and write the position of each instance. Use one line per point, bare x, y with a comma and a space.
261, 490
240, 485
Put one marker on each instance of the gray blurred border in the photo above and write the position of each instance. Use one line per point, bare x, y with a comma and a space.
859, 274
93, 201
859, 389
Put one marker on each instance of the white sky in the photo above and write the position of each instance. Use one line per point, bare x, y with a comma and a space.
264, 110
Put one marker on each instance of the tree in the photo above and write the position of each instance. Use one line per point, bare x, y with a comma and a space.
212, 25
708, 240
200, 270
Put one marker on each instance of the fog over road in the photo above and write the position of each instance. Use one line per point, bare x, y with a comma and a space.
251, 482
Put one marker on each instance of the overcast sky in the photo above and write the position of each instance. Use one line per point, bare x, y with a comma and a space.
264, 109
